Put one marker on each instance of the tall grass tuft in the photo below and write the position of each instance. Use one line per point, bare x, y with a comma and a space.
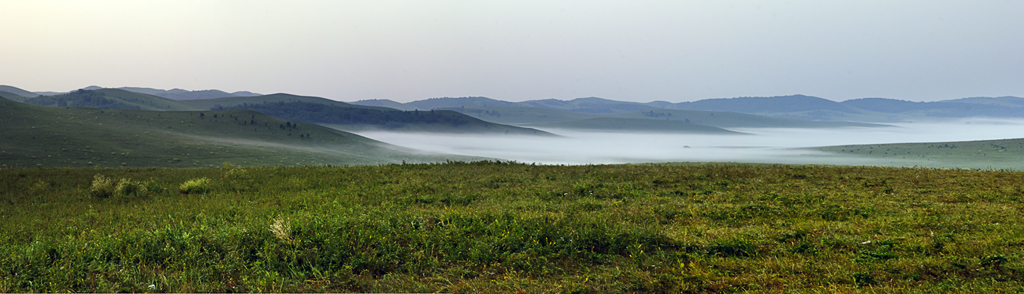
282, 230
129, 188
102, 187
200, 185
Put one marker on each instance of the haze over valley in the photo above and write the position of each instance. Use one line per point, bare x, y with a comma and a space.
579, 131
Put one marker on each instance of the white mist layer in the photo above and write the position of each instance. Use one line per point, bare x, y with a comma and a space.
762, 146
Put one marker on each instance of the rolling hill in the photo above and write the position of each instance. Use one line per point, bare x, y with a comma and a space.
385, 103
179, 94
363, 118
12, 97
338, 115
17, 91
720, 119
108, 99
229, 102
984, 154
41, 136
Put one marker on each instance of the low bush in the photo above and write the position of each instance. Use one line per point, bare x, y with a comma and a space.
102, 187
195, 186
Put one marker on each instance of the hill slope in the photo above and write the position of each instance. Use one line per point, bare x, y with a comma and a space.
363, 118
179, 94
12, 97
108, 99
985, 154
229, 102
83, 137
17, 91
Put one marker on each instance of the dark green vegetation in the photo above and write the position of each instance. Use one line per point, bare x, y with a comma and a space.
359, 118
503, 227
987, 154
32, 136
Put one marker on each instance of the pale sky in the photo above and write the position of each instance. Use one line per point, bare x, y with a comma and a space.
521, 50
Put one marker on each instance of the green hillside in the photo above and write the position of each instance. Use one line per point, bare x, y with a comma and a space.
721, 119
83, 137
986, 154
108, 99
633, 125
228, 102
362, 118
12, 96
339, 115
17, 91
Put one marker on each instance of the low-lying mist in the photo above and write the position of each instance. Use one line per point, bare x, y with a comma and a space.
764, 145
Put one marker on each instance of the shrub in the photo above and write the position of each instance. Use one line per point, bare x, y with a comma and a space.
102, 187
200, 185
153, 187
127, 187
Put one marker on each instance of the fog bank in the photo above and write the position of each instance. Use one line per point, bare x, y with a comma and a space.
764, 145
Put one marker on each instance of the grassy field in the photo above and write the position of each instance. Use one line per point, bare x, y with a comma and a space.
505, 227
986, 154
43, 136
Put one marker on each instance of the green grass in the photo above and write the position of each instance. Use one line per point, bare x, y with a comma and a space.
40, 136
504, 227
986, 154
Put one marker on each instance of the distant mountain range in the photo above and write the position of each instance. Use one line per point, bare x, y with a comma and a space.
800, 107
174, 94
589, 114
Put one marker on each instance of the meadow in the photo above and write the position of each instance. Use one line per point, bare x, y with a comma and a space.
511, 227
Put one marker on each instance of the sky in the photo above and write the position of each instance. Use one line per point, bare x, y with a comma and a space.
521, 50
